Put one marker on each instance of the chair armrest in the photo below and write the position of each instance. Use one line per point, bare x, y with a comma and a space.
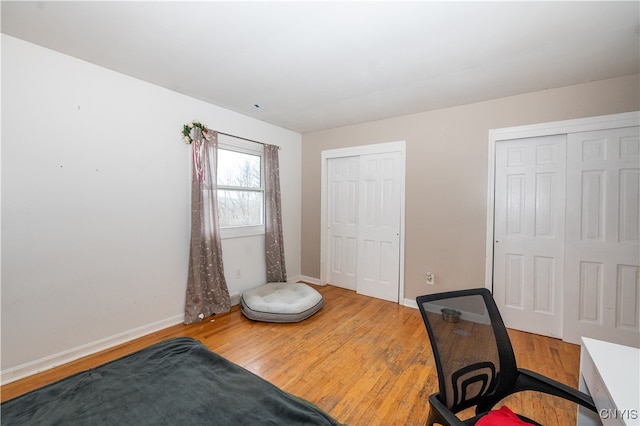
442, 414
530, 380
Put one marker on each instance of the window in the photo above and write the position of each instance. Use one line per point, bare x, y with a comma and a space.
240, 187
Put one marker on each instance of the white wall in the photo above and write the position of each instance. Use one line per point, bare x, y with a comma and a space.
95, 215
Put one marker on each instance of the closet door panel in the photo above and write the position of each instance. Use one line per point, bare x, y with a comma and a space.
602, 255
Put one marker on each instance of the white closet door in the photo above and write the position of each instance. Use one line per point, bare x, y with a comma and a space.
603, 233
342, 208
379, 226
529, 233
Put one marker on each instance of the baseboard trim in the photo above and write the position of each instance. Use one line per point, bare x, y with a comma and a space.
410, 303
235, 299
21, 371
309, 280
294, 279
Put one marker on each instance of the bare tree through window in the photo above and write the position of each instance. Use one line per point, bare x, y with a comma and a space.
240, 190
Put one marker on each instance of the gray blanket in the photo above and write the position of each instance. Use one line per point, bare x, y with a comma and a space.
175, 382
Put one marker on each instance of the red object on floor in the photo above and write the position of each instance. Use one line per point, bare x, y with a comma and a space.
502, 417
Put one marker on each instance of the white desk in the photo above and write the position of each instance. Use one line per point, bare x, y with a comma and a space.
610, 373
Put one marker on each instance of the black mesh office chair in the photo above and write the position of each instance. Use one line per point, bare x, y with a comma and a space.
475, 360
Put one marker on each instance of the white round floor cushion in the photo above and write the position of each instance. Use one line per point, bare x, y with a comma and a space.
281, 302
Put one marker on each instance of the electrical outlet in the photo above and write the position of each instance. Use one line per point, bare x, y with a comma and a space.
431, 278
238, 274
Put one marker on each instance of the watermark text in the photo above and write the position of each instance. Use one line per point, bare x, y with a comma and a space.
615, 413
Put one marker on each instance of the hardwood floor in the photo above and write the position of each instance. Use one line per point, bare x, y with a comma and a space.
365, 361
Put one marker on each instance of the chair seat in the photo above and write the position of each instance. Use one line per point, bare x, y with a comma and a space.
281, 302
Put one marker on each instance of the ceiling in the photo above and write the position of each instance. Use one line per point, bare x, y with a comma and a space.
308, 66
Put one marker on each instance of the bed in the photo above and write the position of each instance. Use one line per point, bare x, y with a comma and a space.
178, 381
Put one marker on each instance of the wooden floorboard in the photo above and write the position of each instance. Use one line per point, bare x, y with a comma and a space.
365, 361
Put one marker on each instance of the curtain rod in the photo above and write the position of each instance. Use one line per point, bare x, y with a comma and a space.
244, 139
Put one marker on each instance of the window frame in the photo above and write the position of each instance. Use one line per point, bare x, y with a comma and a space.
231, 143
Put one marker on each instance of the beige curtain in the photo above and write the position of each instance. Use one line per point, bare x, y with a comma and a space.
207, 291
276, 271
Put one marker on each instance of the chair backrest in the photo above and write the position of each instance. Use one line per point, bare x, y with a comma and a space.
471, 347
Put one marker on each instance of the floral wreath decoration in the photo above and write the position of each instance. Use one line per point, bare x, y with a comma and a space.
187, 128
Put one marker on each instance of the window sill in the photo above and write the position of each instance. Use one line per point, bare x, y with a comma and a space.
241, 231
